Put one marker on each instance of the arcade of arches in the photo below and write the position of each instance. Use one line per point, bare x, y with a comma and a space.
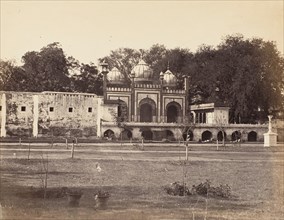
148, 110
149, 134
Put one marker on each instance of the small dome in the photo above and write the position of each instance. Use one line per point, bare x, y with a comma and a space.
115, 76
169, 79
142, 72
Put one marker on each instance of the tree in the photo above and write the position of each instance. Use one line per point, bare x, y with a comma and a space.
201, 69
6, 71
88, 80
47, 70
250, 73
12, 77
124, 59
154, 57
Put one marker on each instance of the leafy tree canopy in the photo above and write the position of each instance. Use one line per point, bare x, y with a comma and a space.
50, 70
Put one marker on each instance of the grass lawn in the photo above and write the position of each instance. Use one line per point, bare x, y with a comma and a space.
137, 188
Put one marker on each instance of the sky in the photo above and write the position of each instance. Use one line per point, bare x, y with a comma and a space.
88, 30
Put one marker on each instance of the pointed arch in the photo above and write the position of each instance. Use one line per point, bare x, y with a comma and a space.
173, 112
147, 110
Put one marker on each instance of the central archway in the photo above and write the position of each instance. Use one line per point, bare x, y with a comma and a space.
147, 110
146, 113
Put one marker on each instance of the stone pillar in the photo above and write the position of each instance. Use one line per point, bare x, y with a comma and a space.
186, 88
105, 85
132, 98
99, 117
35, 116
270, 138
161, 97
3, 115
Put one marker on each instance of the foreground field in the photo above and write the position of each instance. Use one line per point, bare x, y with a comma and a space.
137, 186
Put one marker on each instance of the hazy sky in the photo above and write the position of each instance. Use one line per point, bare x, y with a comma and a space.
88, 30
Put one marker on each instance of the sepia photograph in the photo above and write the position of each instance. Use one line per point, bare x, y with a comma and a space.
141, 110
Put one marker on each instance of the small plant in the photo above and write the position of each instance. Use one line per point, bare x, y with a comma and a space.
205, 189
202, 189
223, 191
177, 189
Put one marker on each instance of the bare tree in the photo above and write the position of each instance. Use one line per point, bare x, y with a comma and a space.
187, 126
44, 174
221, 125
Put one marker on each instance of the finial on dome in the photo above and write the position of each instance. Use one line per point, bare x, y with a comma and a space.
142, 54
168, 65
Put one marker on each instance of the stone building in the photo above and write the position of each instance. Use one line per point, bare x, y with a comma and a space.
155, 110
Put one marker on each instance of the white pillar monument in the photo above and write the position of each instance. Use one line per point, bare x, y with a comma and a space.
270, 138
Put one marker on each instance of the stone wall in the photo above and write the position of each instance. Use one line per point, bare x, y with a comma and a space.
19, 114
68, 114
49, 114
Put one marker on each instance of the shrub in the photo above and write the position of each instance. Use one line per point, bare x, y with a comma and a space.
177, 189
223, 191
203, 189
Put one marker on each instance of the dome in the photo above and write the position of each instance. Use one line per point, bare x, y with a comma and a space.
169, 79
142, 72
115, 76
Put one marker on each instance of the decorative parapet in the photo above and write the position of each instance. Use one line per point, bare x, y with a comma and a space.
118, 89
171, 91
68, 94
201, 106
148, 86
51, 93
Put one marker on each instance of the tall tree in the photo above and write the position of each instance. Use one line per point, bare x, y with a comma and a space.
47, 70
250, 72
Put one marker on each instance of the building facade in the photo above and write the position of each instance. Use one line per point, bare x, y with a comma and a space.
134, 106
155, 109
